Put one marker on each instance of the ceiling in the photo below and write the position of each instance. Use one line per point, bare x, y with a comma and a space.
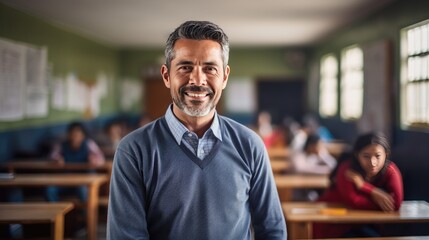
147, 23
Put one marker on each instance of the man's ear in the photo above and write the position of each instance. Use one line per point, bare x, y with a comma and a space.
165, 75
225, 77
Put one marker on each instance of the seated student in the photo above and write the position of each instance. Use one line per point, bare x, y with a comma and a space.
369, 180
271, 135
314, 158
109, 140
77, 148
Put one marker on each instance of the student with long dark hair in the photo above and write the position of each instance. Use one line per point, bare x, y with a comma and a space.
368, 180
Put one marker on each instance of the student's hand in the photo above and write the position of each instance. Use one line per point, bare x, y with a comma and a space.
383, 199
59, 161
95, 160
356, 178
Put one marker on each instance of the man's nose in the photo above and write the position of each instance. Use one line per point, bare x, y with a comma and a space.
197, 77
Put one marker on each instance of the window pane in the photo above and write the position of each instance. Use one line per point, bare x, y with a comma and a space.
352, 83
328, 86
415, 83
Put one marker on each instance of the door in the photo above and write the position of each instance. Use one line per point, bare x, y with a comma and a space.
157, 97
282, 98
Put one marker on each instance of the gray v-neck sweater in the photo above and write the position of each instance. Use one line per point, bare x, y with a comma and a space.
161, 190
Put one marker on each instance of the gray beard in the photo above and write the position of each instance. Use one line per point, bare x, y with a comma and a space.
194, 112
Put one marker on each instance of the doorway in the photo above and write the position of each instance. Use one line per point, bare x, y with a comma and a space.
282, 98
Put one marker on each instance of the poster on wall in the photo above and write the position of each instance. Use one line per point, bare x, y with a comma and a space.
23, 81
58, 99
36, 90
130, 93
240, 96
12, 80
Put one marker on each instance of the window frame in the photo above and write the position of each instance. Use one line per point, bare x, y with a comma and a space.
417, 55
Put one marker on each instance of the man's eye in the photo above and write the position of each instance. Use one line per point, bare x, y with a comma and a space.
185, 68
211, 69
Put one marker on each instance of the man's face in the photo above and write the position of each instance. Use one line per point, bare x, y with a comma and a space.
196, 77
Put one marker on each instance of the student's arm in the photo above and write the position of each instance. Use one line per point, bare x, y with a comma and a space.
267, 215
126, 218
55, 155
391, 196
308, 164
394, 185
96, 156
327, 158
350, 194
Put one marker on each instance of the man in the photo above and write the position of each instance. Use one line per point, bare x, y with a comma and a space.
193, 174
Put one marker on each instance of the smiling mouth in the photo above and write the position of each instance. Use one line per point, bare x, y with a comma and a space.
196, 95
196, 92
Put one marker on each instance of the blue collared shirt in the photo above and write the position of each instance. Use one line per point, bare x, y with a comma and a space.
201, 147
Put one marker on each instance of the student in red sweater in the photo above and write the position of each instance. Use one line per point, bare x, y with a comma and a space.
368, 180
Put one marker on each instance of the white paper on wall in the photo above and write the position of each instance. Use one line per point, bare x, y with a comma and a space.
37, 82
130, 93
240, 96
12, 80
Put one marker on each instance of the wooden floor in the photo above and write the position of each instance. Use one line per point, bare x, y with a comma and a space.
81, 235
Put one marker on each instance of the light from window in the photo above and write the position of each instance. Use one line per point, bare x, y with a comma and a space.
415, 75
351, 83
328, 97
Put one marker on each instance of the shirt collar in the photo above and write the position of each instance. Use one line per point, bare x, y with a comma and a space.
178, 129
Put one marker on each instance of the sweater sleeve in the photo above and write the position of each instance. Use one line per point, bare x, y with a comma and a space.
394, 185
350, 194
126, 212
267, 215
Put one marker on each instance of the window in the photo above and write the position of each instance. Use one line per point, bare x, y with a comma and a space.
328, 97
415, 75
351, 83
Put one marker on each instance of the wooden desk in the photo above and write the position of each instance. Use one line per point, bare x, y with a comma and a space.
92, 181
278, 152
280, 166
384, 238
301, 215
25, 213
286, 183
45, 165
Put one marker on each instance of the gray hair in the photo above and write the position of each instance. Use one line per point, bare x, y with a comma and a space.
197, 30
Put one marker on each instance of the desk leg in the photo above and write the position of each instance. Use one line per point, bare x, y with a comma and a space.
285, 194
92, 214
299, 230
57, 230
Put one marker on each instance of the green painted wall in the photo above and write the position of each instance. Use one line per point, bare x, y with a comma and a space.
244, 62
67, 52
264, 62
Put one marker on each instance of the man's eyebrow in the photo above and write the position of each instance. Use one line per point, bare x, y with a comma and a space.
187, 62
184, 62
210, 63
